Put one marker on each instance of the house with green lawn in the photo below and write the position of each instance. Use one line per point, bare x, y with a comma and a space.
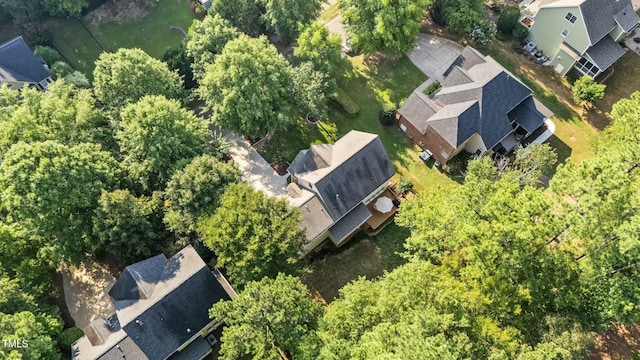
580, 34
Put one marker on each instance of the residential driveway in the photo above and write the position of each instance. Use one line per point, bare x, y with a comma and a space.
433, 55
86, 292
335, 26
255, 170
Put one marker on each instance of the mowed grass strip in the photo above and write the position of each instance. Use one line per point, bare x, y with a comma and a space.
75, 43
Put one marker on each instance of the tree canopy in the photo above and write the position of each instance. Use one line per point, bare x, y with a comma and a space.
253, 235
206, 39
460, 16
154, 135
268, 317
127, 75
128, 227
248, 87
195, 192
318, 46
242, 14
390, 26
586, 91
285, 17
62, 113
53, 189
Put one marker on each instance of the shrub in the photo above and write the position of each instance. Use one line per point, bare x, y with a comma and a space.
77, 79
60, 69
484, 32
404, 185
519, 33
346, 103
387, 115
586, 91
67, 337
49, 55
432, 88
508, 20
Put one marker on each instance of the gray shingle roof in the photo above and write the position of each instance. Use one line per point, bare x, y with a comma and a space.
345, 226
527, 115
465, 108
625, 16
178, 297
605, 52
315, 219
19, 64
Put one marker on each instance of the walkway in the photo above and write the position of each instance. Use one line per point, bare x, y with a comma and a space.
433, 55
255, 170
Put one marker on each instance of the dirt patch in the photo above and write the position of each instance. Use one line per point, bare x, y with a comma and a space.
280, 169
86, 292
619, 342
123, 11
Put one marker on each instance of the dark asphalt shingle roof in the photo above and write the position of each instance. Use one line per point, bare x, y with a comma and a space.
527, 115
600, 17
138, 280
345, 226
358, 165
605, 52
465, 108
19, 64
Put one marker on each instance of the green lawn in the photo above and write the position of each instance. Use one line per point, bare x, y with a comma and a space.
362, 256
370, 85
624, 81
75, 43
152, 34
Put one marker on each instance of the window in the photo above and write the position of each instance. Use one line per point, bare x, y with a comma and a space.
571, 18
565, 32
587, 67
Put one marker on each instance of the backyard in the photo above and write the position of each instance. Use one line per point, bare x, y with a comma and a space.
142, 24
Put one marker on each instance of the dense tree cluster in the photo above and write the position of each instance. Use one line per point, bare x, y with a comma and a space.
389, 26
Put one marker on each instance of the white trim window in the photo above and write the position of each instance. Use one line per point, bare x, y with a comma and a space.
571, 18
565, 32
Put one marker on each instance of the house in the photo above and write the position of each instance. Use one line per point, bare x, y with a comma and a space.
332, 184
580, 34
19, 66
480, 108
161, 312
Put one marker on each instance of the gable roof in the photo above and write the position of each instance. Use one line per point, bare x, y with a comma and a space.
177, 294
343, 174
462, 108
605, 52
19, 64
599, 16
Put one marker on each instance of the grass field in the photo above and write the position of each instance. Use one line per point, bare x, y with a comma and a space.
331, 12
362, 256
370, 84
81, 43
624, 81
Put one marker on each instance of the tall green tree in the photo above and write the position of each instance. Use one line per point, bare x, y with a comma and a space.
64, 7
242, 14
127, 75
318, 46
39, 330
253, 235
195, 192
390, 25
62, 113
312, 89
128, 227
460, 16
154, 135
248, 87
53, 189
206, 39
269, 317
285, 17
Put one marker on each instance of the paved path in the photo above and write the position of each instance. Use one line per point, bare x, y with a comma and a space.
255, 170
433, 55
86, 292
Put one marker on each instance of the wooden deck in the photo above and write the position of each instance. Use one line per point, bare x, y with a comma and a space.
378, 219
